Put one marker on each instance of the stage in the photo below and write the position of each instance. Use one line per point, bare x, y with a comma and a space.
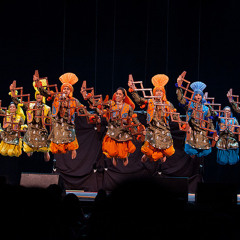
90, 196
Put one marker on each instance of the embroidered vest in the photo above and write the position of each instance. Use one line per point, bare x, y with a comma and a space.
232, 121
30, 112
7, 121
204, 109
71, 107
124, 111
150, 110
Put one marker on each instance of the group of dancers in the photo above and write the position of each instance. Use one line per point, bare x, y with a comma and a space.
52, 129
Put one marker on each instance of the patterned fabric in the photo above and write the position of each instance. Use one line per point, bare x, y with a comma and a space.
12, 121
152, 105
200, 107
124, 111
62, 132
158, 133
116, 130
36, 136
227, 140
42, 108
150, 111
71, 108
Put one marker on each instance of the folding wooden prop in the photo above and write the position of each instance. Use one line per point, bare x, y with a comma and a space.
21, 95
141, 89
3, 112
210, 101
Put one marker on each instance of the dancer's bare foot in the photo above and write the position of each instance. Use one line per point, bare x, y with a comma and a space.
125, 162
29, 154
163, 159
74, 154
144, 158
46, 156
114, 161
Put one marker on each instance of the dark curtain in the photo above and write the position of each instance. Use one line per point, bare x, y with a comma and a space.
92, 171
104, 41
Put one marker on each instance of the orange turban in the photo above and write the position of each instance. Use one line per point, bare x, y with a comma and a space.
67, 80
159, 81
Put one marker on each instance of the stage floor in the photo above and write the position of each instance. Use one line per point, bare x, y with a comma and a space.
90, 196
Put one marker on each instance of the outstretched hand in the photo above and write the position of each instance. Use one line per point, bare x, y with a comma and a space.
36, 80
13, 86
83, 89
180, 81
229, 95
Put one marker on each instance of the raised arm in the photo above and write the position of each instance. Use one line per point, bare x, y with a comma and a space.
232, 102
43, 92
179, 92
213, 113
132, 89
14, 97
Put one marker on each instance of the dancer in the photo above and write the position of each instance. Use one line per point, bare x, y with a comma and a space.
158, 143
38, 114
227, 145
63, 135
11, 144
198, 143
117, 142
